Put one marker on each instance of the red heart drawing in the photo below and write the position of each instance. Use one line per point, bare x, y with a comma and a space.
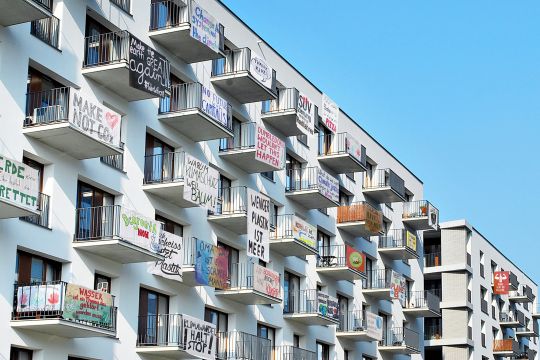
112, 119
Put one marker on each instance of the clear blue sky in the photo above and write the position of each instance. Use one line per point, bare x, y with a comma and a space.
451, 88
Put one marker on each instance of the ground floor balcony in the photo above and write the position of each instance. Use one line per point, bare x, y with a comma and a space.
353, 326
341, 153
420, 215
292, 236
341, 262
400, 341
288, 352
52, 308
398, 244
384, 186
359, 219
236, 345
14, 12
378, 284
312, 307
232, 210
506, 348
312, 187
283, 113
422, 304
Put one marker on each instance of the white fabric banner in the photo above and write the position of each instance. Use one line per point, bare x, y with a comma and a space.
200, 183
374, 326
19, 184
328, 185
215, 106
330, 113
269, 148
305, 114
258, 229
260, 70
171, 248
204, 27
199, 337
139, 230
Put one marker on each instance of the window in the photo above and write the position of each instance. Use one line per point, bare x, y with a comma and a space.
164, 14
345, 354
218, 318
224, 195
95, 212
296, 340
159, 161
302, 139
97, 51
344, 199
274, 210
268, 174
343, 310
293, 180
102, 283
20, 354
323, 243
153, 316
482, 264
325, 141
170, 226
233, 259
32, 268
267, 332
291, 292
323, 351
43, 201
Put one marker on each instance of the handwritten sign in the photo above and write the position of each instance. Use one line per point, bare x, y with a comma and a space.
211, 265
171, 248
199, 337
258, 229
261, 71
266, 281
88, 305
204, 27
305, 114
354, 148
216, 107
269, 148
200, 183
148, 70
330, 113
501, 283
19, 184
304, 232
374, 326
139, 230
328, 185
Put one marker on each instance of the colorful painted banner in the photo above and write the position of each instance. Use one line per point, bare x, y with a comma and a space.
354, 148
373, 219
258, 225
216, 107
211, 265
304, 232
501, 282
328, 185
88, 305
19, 184
200, 183
433, 217
171, 248
94, 119
374, 326
260, 70
149, 71
139, 230
47, 297
411, 240
395, 285
330, 113
328, 306
266, 281
305, 114
204, 27
356, 260
269, 148
199, 337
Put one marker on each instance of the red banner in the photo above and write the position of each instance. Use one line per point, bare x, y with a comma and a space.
356, 260
501, 282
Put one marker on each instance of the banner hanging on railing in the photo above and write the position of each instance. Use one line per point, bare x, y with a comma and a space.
501, 283
304, 232
204, 27
305, 114
330, 113
354, 148
36, 298
199, 337
328, 185
200, 183
269, 148
258, 229
211, 265
373, 219
266, 281
411, 240
171, 248
88, 305
433, 217
215, 106
327, 305
260, 70
139, 230
356, 260
19, 184
396, 289
374, 326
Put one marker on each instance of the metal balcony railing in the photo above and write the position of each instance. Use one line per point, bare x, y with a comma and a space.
484, 306
383, 178
303, 179
190, 251
47, 30
243, 277
115, 161
432, 259
236, 345
46, 4
341, 143
42, 219
283, 228
418, 209
46, 300
401, 337
512, 316
352, 321
287, 100
95, 223
358, 211
514, 283
288, 352
307, 302
378, 279
395, 238
246, 139
332, 256
433, 332
160, 330
123, 4
422, 299
164, 168
522, 290
506, 345
106, 49
232, 200
45, 107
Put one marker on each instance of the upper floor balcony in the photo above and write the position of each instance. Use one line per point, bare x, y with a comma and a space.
378, 284
237, 345
254, 149
14, 12
196, 112
232, 210
341, 262
506, 348
342, 153
287, 112
523, 295
292, 236
244, 76
422, 304
353, 326
384, 186
535, 311
312, 307
63, 309
400, 341
288, 352
312, 187
19, 189
186, 30
116, 233
398, 244
253, 284
47, 30
43, 216
73, 122
420, 215
359, 219
125, 65
511, 319
530, 330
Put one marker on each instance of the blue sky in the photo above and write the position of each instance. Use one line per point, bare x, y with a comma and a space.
451, 88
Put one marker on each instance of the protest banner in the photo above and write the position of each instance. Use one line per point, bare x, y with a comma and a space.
171, 248
19, 184
200, 183
266, 281
211, 265
258, 225
199, 337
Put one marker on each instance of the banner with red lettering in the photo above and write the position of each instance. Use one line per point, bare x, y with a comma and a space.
88, 305
501, 282
329, 113
269, 148
266, 281
139, 230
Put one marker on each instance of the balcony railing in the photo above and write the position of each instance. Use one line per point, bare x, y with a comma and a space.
236, 345
44, 208
287, 100
123, 4
512, 316
47, 300
160, 330
352, 321
100, 222
114, 161
308, 179
47, 30
243, 277
433, 332
432, 259
46, 4
309, 302
383, 178
341, 143
190, 251
232, 200
506, 345
246, 140
105, 49
45, 107
401, 337
422, 299
417, 209
523, 291
397, 238
360, 211
484, 306
288, 352
164, 168
332, 256
378, 279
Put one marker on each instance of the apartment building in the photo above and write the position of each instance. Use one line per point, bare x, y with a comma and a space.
477, 321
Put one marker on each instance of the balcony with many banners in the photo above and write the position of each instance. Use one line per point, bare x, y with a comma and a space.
341, 153
288, 352
196, 112
400, 341
117, 233
506, 348
237, 345
312, 307
52, 308
13, 12
384, 186
359, 219
420, 215
341, 262
291, 236
231, 210
312, 187
398, 244
422, 304
353, 326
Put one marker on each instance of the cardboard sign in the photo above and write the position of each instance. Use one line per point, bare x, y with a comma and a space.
216, 107
211, 265
258, 225
260, 70
171, 248
501, 282
19, 184
266, 281
374, 326
139, 230
269, 148
94, 119
200, 183
47, 297
330, 113
373, 219
204, 27
304, 232
199, 337
328, 185
88, 305
356, 260
149, 71
305, 114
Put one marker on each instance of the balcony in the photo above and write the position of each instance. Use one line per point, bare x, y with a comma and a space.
288, 352
378, 284
312, 187
44, 207
196, 112
236, 345
19, 189
333, 261
171, 25
14, 12
120, 62
232, 210
398, 244
312, 307
512, 319
352, 326
535, 311
98, 231
359, 219
235, 74
250, 151
422, 304
400, 341
50, 308
252, 284
47, 30
432, 332
523, 295
283, 113
432, 259
420, 215
531, 330
384, 186
341, 153
506, 348
291, 236
58, 118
